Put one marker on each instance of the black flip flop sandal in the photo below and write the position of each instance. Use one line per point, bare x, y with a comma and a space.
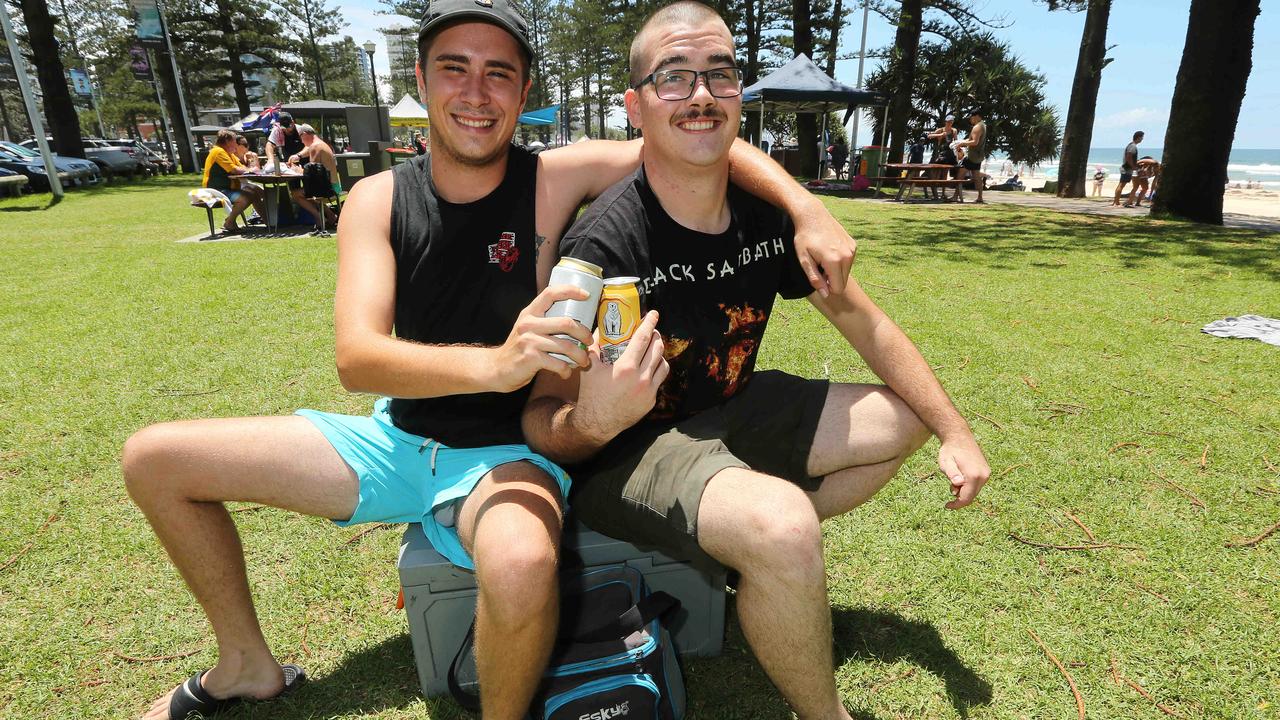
191, 697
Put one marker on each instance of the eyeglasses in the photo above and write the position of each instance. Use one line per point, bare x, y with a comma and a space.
724, 82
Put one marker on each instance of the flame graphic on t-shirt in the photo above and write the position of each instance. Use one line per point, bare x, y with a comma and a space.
725, 361
722, 364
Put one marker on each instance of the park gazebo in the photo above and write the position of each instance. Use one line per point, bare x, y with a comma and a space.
801, 87
363, 123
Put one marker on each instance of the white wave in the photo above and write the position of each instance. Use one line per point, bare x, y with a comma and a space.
1260, 169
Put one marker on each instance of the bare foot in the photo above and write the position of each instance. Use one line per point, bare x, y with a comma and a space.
221, 683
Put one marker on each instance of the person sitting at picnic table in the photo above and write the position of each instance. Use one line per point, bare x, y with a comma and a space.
317, 151
220, 170
247, 157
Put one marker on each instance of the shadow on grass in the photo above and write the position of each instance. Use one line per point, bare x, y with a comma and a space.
378, 678
53, 200
865, 634
384, 677
1014, 239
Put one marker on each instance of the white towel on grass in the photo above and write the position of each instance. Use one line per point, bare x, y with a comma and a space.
1251, 327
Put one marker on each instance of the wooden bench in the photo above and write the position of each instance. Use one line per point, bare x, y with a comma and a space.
12, 184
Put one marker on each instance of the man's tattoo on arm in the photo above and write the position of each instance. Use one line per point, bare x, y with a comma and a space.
538, 240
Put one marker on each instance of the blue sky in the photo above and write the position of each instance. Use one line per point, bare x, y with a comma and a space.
1136, 89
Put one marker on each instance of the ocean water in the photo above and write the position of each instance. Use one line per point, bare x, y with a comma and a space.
1262, 166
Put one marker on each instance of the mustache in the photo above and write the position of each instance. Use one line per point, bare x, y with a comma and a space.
711, 113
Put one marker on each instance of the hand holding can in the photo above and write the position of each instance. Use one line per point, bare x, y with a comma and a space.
579, 274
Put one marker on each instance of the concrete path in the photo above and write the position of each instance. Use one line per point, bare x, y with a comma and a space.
1104, 207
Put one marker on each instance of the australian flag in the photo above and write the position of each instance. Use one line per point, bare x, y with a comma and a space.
264, 120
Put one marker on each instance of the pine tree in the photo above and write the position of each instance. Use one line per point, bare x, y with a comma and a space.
61, 119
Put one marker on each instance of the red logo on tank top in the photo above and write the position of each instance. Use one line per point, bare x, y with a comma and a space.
504, 252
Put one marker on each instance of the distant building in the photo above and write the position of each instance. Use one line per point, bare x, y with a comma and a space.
402, 55
261, 83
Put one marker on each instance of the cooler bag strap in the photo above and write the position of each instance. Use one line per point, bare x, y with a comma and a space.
460, 695
635, 618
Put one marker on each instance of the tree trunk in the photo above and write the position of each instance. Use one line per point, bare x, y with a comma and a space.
751, 71
1074, 165
315, 50
9, 133
600, 103
833, 39
807, 124
906, 46
1216, 61
586, 103
60, 114
231, 43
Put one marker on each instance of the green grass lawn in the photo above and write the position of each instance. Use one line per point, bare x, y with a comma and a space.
1071, 343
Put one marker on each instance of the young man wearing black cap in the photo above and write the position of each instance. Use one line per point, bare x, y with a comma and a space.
283, 140
437, 308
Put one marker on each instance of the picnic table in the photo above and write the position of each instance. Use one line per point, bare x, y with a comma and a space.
923, 174
272, 183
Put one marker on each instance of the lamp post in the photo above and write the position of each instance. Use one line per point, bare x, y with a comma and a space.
369, 47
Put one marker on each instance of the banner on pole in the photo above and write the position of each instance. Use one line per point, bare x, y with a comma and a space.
139, 63
146, 18
80, 82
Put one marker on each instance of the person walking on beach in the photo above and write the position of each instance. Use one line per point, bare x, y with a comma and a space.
1099, 177
975, 151
1128, 165
1145, 175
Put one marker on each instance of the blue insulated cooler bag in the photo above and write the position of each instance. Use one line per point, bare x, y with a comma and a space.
613, 657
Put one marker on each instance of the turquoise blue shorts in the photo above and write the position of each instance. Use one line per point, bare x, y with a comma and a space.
405, 478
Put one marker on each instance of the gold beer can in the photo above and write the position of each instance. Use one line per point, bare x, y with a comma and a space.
618, 316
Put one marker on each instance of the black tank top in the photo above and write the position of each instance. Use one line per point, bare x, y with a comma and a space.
463, 274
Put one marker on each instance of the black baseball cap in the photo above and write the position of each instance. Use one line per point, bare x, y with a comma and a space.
503, 13
285, 119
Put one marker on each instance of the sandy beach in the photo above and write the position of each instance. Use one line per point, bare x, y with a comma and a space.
1257, 202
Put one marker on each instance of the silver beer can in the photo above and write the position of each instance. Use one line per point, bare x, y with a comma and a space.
581, 274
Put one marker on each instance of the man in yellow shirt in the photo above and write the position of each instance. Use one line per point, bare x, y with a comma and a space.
220, 171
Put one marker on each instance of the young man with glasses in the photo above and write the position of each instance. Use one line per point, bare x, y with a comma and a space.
680, 444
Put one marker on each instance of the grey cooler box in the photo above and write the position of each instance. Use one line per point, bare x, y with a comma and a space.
440, 598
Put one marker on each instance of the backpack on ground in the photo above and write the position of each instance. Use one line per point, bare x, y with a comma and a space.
613, 657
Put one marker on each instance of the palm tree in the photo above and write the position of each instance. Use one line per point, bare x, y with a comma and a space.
1084, 94
1216, 61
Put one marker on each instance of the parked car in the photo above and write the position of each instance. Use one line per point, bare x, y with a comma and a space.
33, 169
144, 153
78, 172
112, 161
139, 155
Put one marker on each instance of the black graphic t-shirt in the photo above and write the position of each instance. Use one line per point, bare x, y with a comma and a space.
463, 274
713, 293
